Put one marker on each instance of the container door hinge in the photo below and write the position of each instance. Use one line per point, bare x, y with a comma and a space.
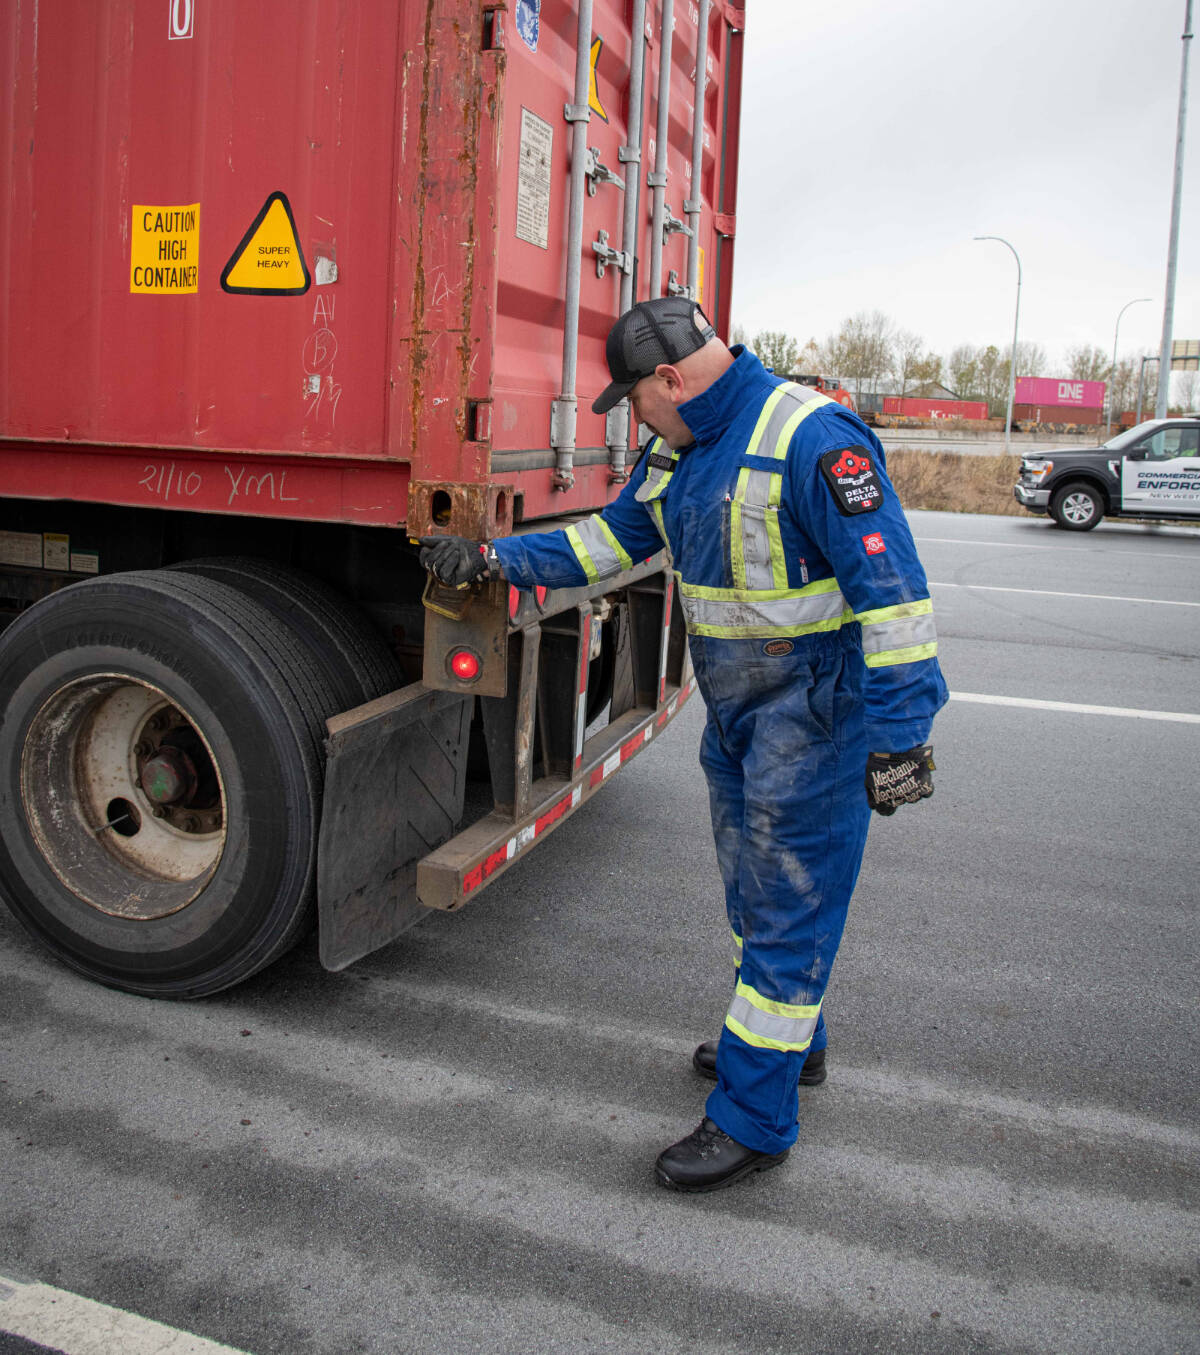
608, 257
675, 287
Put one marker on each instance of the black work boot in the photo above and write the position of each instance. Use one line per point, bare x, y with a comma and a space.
704, 1061
709, 1159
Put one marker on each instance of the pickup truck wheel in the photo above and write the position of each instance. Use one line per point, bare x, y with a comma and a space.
160, 781
1077, 507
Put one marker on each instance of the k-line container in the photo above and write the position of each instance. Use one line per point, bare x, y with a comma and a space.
282, 285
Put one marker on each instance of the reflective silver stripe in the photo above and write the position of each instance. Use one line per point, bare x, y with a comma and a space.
657, 477
750, 616
792, 400
791, 1032
608, 557
900, 633
755, 521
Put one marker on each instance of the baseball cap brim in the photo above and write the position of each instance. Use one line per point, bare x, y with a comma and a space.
613, 394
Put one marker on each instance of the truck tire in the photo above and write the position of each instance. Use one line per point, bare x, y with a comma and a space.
1077, 506
339, 637
160, 781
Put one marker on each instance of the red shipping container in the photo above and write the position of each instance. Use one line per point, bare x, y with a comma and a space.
1059, 391
913, 408
1056, 414
334, 236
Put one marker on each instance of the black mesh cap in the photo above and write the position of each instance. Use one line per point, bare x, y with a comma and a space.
665, 329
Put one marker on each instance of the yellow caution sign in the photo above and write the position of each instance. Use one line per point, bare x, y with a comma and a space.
269, 261
593, 93
164, 249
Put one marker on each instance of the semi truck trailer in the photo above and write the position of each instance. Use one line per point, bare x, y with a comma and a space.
284, 287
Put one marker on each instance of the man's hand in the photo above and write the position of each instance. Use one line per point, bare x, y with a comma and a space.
895, 779
455, 560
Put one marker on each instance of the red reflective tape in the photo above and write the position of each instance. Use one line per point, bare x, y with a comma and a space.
496, 860
597, 775
473, 879
628, 749
553, 815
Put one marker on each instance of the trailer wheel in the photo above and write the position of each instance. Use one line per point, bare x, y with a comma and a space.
160, 781
1078, 507
340, 638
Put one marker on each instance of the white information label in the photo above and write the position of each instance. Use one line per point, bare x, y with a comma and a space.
56, 551
21, 548
85, 562
533, 180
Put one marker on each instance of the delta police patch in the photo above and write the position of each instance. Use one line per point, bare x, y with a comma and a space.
850, 474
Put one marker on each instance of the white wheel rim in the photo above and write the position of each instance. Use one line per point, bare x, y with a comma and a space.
112, 845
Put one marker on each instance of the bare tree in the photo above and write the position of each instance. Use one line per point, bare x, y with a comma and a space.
1031, 358
1186, 386
963, 369
1088, 363
908, 348
861, 351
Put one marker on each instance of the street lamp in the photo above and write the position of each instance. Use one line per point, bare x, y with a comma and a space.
1112, 376
1012, 361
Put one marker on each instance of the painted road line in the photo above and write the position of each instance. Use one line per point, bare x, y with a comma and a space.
79, 1326
1076, 708
1050, 593
1083, 547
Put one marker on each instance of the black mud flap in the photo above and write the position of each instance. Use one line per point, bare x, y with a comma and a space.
394, 785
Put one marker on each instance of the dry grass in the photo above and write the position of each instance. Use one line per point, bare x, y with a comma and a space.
952, 482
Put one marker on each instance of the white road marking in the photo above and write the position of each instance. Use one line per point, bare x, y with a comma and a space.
1022, 545
78, 1326
1076, 708
1051, 593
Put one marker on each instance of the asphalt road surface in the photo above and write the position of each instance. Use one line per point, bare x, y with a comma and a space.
449, 1146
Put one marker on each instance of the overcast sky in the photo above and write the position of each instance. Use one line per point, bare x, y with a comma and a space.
879, 138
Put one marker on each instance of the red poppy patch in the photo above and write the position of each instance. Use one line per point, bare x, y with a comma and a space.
874, 543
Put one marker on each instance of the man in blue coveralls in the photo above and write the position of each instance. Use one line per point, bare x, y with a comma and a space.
812, 638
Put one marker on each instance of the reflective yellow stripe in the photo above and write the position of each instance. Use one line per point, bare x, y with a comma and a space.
785, 436
768, 1024
737, 948
656, 513
618, 550
919, 608
764, 418
698, 590
581, 554
913, 654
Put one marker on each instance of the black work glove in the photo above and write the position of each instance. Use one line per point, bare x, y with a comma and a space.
455, 560
895, 779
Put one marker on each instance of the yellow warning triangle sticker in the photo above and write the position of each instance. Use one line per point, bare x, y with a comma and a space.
593, 93
269, 261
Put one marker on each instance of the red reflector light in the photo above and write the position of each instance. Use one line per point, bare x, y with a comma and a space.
464, 665
539, 594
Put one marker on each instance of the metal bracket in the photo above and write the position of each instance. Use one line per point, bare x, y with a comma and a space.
608, 257
673, 226
656, 180
690, 205
629, 155
598, 173
577, 113
675, 287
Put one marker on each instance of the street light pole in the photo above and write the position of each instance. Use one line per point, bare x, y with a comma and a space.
1164, 352
1112, 375
1012, 361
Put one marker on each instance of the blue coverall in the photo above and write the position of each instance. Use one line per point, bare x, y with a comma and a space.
812, 640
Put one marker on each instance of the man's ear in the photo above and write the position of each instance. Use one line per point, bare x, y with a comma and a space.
671, 377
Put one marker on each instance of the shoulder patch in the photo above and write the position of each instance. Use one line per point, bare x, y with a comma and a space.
850, 475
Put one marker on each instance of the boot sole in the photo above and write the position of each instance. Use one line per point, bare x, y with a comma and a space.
704, 1188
